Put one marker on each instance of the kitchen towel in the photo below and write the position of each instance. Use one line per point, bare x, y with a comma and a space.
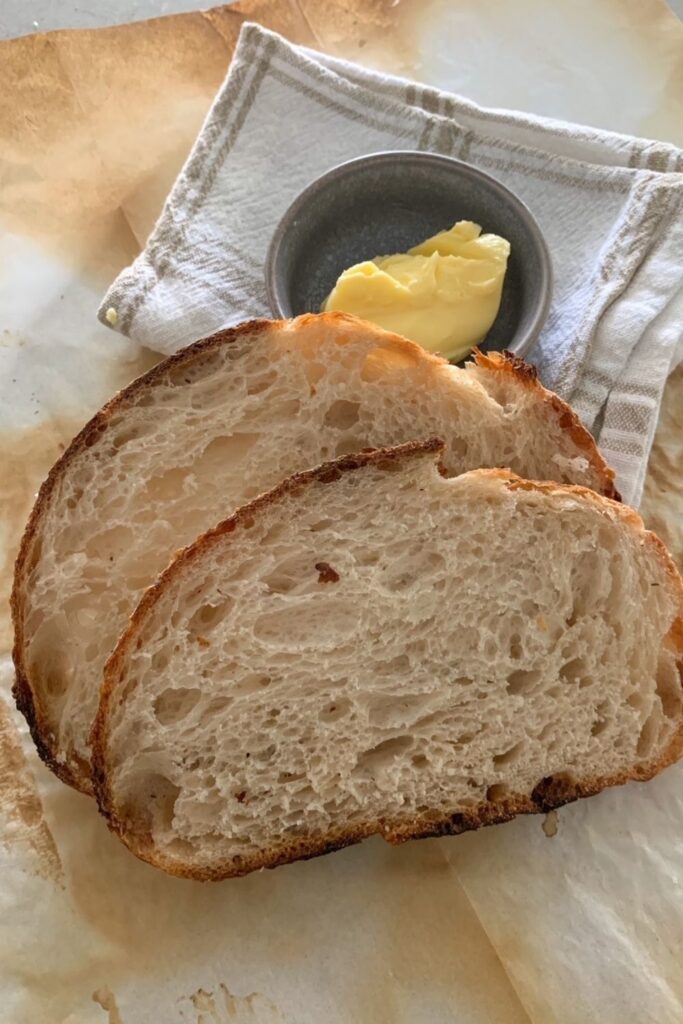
610, 207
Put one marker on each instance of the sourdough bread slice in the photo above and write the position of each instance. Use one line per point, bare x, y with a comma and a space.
374, 648
209, 429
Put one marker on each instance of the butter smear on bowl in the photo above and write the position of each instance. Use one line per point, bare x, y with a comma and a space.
444, 293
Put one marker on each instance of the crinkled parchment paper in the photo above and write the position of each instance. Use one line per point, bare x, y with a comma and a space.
507, 925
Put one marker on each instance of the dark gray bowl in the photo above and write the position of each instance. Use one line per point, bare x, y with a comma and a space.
386, 203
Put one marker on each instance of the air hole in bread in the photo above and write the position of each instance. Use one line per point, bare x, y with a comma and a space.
669, 685
286, 410
573, 671
599, 725
649, 733
498, 791
309, 622
153, 795
390, 465
459, 448
387, 359
120, 437
419, 761
91, 652
173, 705
258, 384
349, 446
515, 647
181, 848
287, 778
289, 573
390, 710
109, 544
265, 755
428, 813
367, 557
396, 665
508, 756
491, 648
315, 373
381, 756
54, 680
168, 485
223, 450
188, 371
273, 533
319, 525
342, 414
523, 680
208, 616
636, 700
252, 683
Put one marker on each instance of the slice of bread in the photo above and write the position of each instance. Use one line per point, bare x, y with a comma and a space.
374, 648
209, 429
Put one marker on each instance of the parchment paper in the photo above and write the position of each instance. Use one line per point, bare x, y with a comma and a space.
505, 925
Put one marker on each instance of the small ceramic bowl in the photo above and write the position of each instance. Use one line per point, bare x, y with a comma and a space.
386, 203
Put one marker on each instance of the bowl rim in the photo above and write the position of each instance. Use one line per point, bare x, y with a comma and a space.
521, 345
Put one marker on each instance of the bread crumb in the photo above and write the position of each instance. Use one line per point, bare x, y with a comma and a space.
551, 823
111, 316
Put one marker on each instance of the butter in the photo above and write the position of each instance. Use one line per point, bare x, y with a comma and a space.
444, 293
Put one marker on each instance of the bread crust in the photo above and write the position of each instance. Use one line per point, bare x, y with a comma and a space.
551, 792
74, 771
507, 363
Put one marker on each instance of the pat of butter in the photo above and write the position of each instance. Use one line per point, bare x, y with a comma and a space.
444, 294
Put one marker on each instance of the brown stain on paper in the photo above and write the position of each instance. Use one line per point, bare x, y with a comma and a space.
430, 944
216, 1007
21, 810
79, 173
105, 998
378, 33
222, 1007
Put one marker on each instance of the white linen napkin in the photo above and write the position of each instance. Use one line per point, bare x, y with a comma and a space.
610, 206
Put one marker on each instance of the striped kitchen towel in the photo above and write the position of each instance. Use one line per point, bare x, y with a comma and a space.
610, 206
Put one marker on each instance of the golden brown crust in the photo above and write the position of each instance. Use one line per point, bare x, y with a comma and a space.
548, 794
569, 422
